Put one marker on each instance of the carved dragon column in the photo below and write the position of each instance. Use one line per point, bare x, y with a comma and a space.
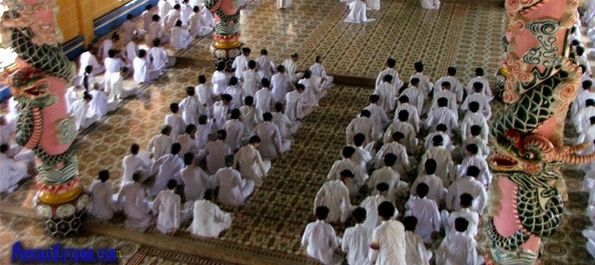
226, 33
38, 80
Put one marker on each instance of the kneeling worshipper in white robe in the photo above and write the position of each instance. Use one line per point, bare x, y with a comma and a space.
387, 245
216, 151
131, 51
466, 212
180, 37
133, 162
396, 82
294, 107
438, 152
87, 58
430, 4
281, 84
195, 180
371, 203
291, 68
250, 162
235, 130
355, 239
103, 206
347, 163
458, 247
373, 5
416, 249
426, 211
358, 12
334, 194
387, 175
249, 116
12, 170
437, 190
167, 167
209, 221
100, 105
263, 98
402, 164
158, 57
266, 66
167, 207
115, 86
83, 117
112, 64
196, 22
286, 127
272, 146
132, 199
143, 73
160, 144
321, 240
318, 70
282, 4
233, 189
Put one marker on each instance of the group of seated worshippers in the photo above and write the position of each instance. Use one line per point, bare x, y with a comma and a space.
16, 162
216, 139
429, 161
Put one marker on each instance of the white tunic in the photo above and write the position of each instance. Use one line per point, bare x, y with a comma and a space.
293, 107
115, 87
190, 108
290, 69
142, 73
280, 85
104, 48
103, 207
309, 95
130, 164
373, 4
486, 91
128, 29
180, 38
437, 190
402, 166
457, 249
131, 52
251, 165
132, 199
397, 82
320, 241
442, 115
425, 85
474, 119
70, 97
240, 64
87, 58
219, 80
484, 150
430, 4
215, 151
83, 117
272, 145
209, 220
164, 8
197, 27
221, 112
355, 243
196, 182
235, 133
386, 92
167, 204
363, 125
415, 97
286, 127
471, 216
147, 18
169, 167
357, 13
251, 82
202, 133
112, 65
327, 80
413, 115
388, 244
455, 86
410, 140
233, 190
334, 195
158, 58
249, 118
283, 3
265, 67
452, 101
206, 96
359, 175
178, 126
582, 118
371, 203
188, 144
466, 185
428, 217
443, 158
186, 12
170, 19
416, 250
11, 172
264, 102
160, 145
485, 176
484, 104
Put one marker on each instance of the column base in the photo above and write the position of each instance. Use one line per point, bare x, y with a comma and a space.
226, 55
64, 220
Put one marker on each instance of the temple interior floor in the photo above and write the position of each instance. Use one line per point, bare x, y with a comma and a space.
461, 34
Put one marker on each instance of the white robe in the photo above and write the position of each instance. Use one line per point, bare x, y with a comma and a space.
104, 48
219, 80
197, 27
128, 29
70, 97
334, 195
321, 241
251, 81
403, 165
482, 144
397, 83
456, 249
250, 164
233, 190
237, 96
160, 145
355, 243
582, 119
170, 19
371, 203
428, 217
447, 143
206, 98
164, 7
264, 102
167, 167
442, 115
467, 185
410, 141
249, 118
283, 3
357, 13
452, 101
430, 4
215, 151
115, 86
103, 206
486, 91
240, 64
100, 105
159, 59
484, 104
156, 31
373, 4
87, 58
386, 92
112, 65
437, 190
178, 126
359, 175
209, 221
290, 69
327, 80
147, 18
83, 118
387, 246
235, 133
130, 164
167, 205
220, 113
188, 144
471, 216
474, 119
131, 52
485, 176
309, 97
425, 85
455, 86
190, 108
415, 98
413, 115
272, 144
196, 182
286, 127
142, 71
132, 199
265, 67
187, 10
365, 126
378, 116
180, 38
293, 107
202, 134
416, 250
280, 85
11, 172
446, 170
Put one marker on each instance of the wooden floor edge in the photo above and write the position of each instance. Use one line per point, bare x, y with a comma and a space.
169, 243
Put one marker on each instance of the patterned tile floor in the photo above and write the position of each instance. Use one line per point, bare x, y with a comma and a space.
465, 35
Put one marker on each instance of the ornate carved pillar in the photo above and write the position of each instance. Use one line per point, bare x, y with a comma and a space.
226, 31
39, 79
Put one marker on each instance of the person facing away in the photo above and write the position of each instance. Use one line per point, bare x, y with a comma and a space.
128, 29
414, 94
347, 163
216, 151
291, 68
240, 63
191, 107
402, 125
195, 180
235, 91
388, 245
167, 207
474, 159
294, 107
411, 109
481, 99
357, 13
158, 57
250, 79
443, 157
386, 92
425, 85
437, 191
286, 127
180, 36
167, 167
175, 121
209, 221
272, 145
320, 238
263, 98
250, 163
266, 67
108, 44
131, 163
355, 239
249, 115
385, 175
103, 206
206, 96
233, 189
234, 129
466, 212
132, 199
390, 70
142, 69
318, 70
455, 85
160, 144
371, 203
222, 110
280, 84
402, 164
442, 114
424, 210
364, 125
334, 194
378, 115
474, 118
156, 31
11, 170
458, 248
416, 249
220, 79
469, 185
